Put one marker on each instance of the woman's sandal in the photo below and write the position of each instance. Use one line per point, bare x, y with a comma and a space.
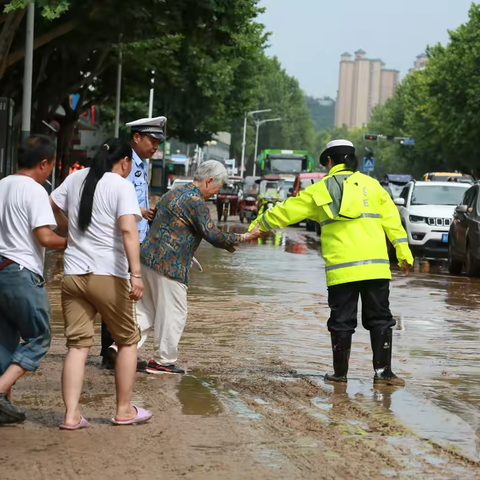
82, 424
142, 416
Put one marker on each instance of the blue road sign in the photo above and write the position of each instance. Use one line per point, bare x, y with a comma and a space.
409, 141
368, 164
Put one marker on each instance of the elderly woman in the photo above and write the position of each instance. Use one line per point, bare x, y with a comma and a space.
182, 221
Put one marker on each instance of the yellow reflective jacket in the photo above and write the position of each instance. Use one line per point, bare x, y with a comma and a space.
354, 212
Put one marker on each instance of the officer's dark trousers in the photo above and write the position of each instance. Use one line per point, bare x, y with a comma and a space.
343, 302
107, 339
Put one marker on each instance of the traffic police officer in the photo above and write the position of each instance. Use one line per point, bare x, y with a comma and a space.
147, 133
354, 213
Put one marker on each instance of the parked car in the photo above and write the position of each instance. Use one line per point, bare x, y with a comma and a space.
448, 177
179, 182
302, 181
426, 210
394, 183
464, 236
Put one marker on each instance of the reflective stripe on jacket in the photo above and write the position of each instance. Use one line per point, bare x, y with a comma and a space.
354, 212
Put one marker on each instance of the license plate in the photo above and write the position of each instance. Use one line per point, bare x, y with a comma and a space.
445, 238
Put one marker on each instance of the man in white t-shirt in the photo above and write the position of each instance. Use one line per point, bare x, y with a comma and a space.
26, 223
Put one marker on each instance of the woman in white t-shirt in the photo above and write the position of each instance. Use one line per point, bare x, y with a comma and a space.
103, 246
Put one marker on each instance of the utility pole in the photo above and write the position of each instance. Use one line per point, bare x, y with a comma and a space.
164, 156
152, 86
244, 143
119, 92
28, 72
258, 124
242, 167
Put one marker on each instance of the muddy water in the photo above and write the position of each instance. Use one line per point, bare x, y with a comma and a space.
435, 345
274, 300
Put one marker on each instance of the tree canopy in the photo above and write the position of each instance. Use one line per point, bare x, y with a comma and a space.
274, 89
438, 107
201, 52
208, 56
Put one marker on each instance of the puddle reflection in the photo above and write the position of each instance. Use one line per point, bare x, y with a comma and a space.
197, 398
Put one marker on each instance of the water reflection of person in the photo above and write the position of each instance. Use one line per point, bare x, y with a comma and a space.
355, 213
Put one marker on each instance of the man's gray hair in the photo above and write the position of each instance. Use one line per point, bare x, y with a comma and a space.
211, 169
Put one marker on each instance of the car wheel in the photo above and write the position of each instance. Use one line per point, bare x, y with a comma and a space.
454, 265
472, 265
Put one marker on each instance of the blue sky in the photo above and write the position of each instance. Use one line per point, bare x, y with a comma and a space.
308, 36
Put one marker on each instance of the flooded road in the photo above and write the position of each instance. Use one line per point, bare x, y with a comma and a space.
254, 403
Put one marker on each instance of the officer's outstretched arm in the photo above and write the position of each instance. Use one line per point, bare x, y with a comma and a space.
394, 229
291, 211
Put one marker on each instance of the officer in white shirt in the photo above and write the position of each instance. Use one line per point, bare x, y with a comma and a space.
26, 223
147, 134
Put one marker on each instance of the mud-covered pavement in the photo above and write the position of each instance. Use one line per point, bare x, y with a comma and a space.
254, 404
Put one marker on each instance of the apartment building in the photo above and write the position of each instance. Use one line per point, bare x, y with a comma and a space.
363, 84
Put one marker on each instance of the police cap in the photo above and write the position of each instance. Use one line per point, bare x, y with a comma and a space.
336, 147
152, 127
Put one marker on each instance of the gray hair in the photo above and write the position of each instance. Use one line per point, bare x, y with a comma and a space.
211, 169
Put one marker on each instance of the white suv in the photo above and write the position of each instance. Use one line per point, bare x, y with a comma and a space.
427, 210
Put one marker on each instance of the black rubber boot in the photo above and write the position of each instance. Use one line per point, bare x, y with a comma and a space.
341, 346
381, 339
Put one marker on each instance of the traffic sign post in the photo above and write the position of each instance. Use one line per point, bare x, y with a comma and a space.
368, 164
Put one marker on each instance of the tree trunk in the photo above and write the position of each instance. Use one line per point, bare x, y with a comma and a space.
41, 40
64, 146
9, 30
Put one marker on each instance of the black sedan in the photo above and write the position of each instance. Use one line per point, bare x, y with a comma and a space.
464, 236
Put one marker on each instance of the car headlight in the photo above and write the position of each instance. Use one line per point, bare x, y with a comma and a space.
415, 219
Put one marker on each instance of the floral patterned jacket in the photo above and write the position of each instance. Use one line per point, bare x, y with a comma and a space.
182, 220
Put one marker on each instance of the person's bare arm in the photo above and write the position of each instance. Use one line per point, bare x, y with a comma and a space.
48, 239
60, 217
131, 240
148, 213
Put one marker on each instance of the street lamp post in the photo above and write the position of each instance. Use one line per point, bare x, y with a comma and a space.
244, 143
152, 89
119, 90
27, 75
259, 123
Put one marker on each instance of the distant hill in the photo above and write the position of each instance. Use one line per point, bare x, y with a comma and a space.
322, 111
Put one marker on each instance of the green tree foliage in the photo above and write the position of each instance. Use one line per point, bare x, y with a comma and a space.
199, 86
200, 49
438, 107
50, 8
276, 90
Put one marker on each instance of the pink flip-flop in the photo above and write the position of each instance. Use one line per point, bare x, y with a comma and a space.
143, 416
82, 424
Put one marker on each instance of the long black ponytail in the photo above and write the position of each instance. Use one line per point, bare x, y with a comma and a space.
112, 151
350, 161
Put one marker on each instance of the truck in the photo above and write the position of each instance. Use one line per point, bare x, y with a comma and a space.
285, 162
